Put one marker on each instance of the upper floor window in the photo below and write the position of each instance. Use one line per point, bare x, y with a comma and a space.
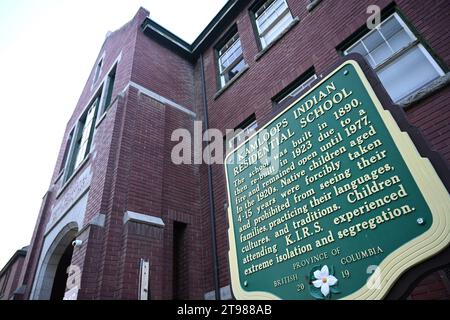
82, 142
66, 150
110, 87
98, 70
230, 59
85, 134
312, 4
296, 88
107, 93
79, 141
271, 19
241, 133
400, 60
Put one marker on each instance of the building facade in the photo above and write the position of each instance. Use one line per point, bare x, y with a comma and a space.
129, 223
10, 274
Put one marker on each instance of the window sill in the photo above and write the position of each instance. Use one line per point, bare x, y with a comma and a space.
229, 83
74, 174
278, 38
312, 5
425, 92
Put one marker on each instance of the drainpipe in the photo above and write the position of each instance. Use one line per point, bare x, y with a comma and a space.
211, 192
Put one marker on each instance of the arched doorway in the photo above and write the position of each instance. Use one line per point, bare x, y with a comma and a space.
51, 282
59, 283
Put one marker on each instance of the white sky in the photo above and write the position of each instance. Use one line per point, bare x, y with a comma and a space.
47, 49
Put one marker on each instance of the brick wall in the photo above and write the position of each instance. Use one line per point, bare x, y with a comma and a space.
313, 42
10, 275
435, 286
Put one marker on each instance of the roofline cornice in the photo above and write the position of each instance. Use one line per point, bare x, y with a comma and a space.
192, 51
17, 254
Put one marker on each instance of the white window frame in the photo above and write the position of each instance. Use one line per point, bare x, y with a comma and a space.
106, 83
67, 149
294, 92
263, 33
100, 96
413, 43
86, 134
241, 135
71, 157
223, 70
98, 70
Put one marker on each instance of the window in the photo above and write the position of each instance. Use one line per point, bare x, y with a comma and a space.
297, 87
66, 150
82, 144
230, 59
312, 4
84, 139
98, 70
107, 92
271, 19
400, 60
80, 138
109, 89
242, 132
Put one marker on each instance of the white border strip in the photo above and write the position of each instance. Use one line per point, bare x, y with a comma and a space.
167, 36
142, 218
159, 98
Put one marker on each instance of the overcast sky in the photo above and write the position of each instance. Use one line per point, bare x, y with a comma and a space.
47, 50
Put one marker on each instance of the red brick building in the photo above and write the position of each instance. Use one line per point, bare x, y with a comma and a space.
115, 189
10, 274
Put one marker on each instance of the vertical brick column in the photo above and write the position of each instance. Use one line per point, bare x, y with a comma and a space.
142, 239
87, 258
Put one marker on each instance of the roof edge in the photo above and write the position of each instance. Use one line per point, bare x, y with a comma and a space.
220, 16
190, 51
19, 253
156, 27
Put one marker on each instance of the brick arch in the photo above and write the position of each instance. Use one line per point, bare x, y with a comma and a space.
44, 282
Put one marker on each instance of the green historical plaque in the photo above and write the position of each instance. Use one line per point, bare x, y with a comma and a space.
330, 200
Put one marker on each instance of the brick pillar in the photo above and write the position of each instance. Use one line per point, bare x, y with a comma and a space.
142, 239
87, 258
